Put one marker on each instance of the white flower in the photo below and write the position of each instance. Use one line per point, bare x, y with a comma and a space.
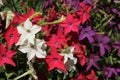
1, 3
69, 55
27, 32
69, 59
38, 49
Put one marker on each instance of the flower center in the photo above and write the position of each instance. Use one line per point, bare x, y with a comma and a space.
55, 43
55, 59
70, 23
3, 56
11, 35
28, 31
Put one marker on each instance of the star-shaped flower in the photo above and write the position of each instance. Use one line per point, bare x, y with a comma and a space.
109, 71
93, 61
11, 35
38, 49
103, 44
69, 59
70, 24
87, 33
27, 32
117, 46
54, 60
6, 56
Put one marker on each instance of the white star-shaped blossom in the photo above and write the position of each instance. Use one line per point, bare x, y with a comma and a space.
1, 2
27, 32
38, 49
69, 59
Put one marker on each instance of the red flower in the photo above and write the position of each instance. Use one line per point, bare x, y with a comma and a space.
80, 50
54, 60
70, 24
84, 12
6, 55
21, 18
56, 41
11, 35
91, 76
82, 76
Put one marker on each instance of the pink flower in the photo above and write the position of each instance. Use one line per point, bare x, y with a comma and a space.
11, 35
54, 60
84, 12
6, 56
70, 24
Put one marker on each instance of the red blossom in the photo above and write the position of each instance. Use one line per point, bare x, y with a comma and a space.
54, 60
80, 50
84, 12
70, 24
19, 18
83, 76
57, 41
6, 56
11, 35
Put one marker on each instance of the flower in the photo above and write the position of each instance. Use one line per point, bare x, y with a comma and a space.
73, 3
69, 59
93, 61
91, 76
56, 41
6, 56
11, 35
109, 71
82, 76
1, 3
84, 12
87, 33
21, 18
88, 2
54, 60
117, 46
79, 51
103, 44
70, 24
38, 49
27, 32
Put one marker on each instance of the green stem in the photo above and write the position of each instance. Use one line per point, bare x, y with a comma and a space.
24, 74
107, 22
5, 71
54, 22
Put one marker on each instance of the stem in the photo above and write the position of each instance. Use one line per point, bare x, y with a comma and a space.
54, 22
5, 71
24, 74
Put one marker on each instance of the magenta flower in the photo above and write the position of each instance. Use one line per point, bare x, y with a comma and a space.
93, 62
87, 33
54, 60
117, 46
109, 71
88, 2
6, 56
73, 3
103, 44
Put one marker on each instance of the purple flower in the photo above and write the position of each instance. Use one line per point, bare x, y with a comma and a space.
93, 61
87, 33
73, 3
103, 44
88, 2
117, 46
109, 71
46, 4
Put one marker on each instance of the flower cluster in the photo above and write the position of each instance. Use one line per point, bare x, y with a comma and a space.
60, 40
